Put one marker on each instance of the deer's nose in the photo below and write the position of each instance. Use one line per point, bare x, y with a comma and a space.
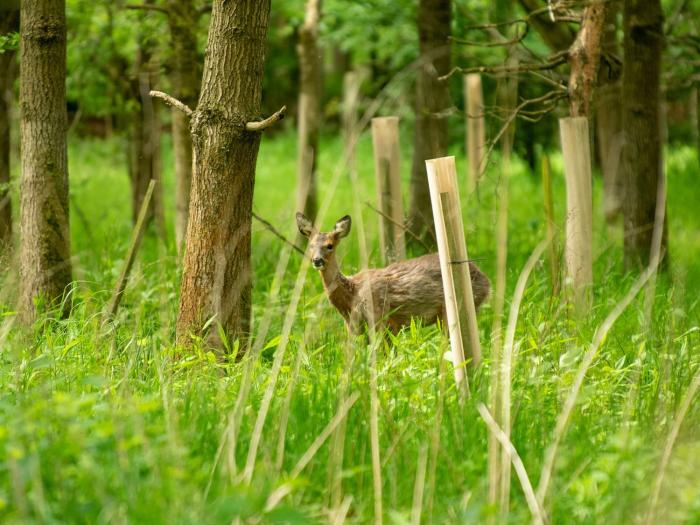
317, 262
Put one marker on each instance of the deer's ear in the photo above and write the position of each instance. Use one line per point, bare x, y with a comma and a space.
306, 227
342, 227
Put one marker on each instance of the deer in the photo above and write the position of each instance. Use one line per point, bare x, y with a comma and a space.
382, 298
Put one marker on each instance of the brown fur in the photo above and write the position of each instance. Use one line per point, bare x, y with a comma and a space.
401, 291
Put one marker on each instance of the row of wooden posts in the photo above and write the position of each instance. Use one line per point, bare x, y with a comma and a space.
449, 229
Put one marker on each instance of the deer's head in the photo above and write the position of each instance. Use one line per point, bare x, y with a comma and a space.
322, 245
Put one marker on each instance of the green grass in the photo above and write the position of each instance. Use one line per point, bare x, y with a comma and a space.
112, 426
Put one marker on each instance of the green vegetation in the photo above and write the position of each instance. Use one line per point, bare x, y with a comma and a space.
112, 425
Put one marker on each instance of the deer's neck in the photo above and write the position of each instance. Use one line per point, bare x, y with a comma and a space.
340, 289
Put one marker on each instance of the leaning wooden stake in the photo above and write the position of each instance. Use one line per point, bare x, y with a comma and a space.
476, 129
579, 214
131, 254
385, 139
551, 231
454, 265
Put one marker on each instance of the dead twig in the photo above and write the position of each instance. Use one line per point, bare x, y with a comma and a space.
266, 123
268, 226
402, 226
172, 102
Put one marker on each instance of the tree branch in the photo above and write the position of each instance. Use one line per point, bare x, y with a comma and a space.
269, 121
554, 61
172, 102
276, 233
148, 7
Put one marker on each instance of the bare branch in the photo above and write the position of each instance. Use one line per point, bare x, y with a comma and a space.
553, 62
269, 227
402, 226
148, 7
269, 121
172, 102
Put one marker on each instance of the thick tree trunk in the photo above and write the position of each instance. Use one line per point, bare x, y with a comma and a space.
45, 237
182, 19
643, 24
609, 119
310, 71
432, 101
9, 21
216, 281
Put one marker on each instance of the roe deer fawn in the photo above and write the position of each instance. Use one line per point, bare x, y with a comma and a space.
402, 290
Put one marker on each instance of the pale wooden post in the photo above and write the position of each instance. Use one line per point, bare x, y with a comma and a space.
385, 139
476, 128
579, 214
352, 81
551, 231
454, 265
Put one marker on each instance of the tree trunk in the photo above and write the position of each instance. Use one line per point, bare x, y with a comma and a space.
216, 280
182, 19
145, 161
432, 100
584, 57
609, 118
45, 236
643, 24
9, 21
310, 67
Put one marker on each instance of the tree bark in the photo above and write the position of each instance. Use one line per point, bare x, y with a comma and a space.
45, 238
609, 118
556, 35
216, 281
310, 80
432, 101
9, 21
643, 44
182, 20
584, 57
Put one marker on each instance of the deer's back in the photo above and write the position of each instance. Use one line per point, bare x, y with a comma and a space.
412, 288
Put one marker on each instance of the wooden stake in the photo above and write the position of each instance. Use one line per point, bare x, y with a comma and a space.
579, 215
352, 81
454, 265
136, 237
476, 129
385, 139
551, 231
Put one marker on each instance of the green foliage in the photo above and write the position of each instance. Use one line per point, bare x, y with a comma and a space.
112, 424
9, 42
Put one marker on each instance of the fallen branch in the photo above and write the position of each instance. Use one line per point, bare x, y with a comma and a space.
266, 123
276, 233
136, 237
172, 102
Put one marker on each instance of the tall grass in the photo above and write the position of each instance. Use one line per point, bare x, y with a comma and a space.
111, 425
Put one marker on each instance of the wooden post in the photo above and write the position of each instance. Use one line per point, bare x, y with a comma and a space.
131, 253
385, 139
352, 81
579, 215
476, 129
454, 265
551, 231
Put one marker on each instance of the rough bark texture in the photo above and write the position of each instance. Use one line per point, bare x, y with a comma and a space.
310, 67
9, 21
608, 117
432, 101
584, 57
216, 279
45, 240
643, 24
182, 20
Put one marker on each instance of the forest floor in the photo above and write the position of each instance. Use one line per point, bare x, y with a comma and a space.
110, 425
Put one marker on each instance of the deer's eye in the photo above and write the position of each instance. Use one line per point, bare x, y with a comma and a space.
329, 247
